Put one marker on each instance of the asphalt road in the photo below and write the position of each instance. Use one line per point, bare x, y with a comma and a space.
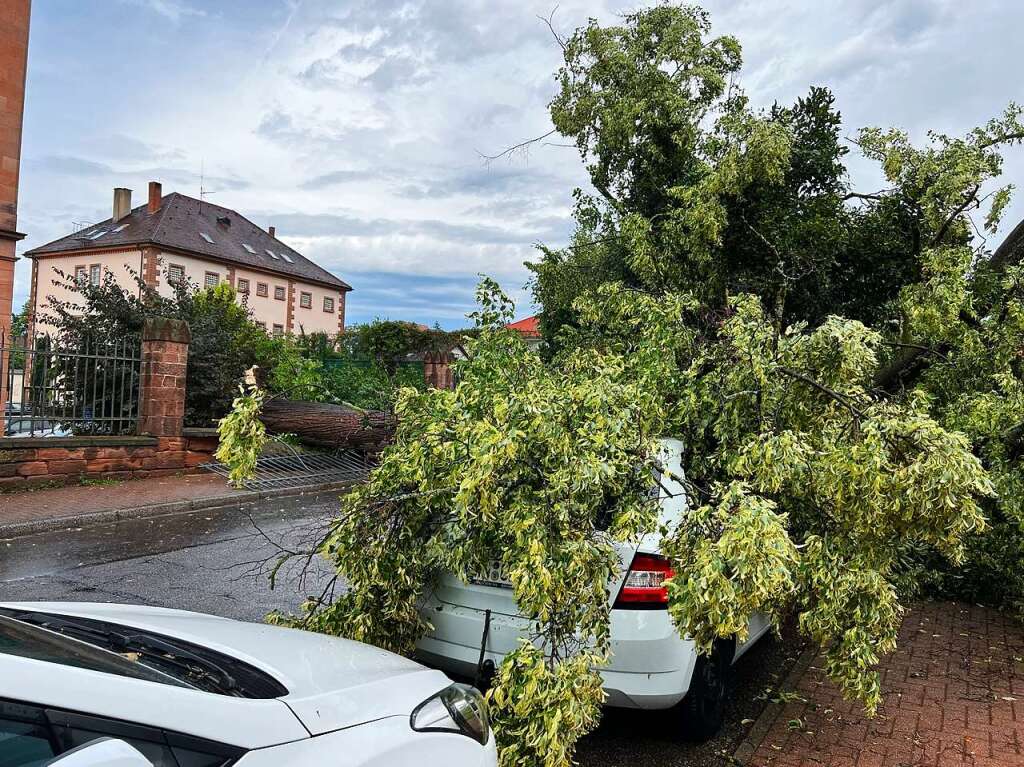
215, 562
208, 561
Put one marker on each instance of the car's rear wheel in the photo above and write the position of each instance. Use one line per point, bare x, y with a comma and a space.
703, 708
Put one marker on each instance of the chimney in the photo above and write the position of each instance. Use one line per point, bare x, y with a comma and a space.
272, 231
122, 203
155, 196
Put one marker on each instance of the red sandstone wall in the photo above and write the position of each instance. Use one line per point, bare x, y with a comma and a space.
23, 468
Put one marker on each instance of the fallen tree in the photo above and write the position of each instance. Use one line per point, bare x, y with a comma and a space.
325, 425
811, 487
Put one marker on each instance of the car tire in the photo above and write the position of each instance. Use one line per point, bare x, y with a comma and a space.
703, 708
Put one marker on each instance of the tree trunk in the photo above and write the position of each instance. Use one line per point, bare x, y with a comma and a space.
333, 426
1015, 441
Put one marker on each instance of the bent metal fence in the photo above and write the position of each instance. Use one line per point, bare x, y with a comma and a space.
57, 388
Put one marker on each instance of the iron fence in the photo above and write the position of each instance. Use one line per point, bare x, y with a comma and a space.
330, 363
56, 388
284, 467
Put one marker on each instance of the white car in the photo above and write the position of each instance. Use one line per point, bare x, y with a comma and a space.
476, 624
190, 690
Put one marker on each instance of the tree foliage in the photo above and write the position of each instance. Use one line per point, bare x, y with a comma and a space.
824, 454
697, 192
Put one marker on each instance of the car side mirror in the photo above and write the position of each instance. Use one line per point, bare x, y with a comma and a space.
105, 752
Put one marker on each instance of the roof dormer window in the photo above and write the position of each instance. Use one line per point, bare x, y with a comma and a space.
206, 237
249, 248
287, 258
272, 254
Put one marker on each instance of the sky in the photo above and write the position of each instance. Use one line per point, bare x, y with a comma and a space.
358, 127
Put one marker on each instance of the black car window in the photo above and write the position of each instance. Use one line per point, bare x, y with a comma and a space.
24, 737
74, 730
31, 736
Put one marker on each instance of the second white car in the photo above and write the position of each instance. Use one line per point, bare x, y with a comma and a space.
652, 666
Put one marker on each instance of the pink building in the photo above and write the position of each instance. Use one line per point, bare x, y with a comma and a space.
175, 237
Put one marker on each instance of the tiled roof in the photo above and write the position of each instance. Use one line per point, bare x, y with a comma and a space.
529, 327
180, 224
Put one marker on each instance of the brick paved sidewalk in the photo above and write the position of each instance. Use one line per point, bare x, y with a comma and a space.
954, 694
76, 500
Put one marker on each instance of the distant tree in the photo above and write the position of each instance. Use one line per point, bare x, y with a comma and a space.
19, 321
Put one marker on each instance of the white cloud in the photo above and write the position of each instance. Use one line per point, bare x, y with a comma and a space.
169, 9
355, 127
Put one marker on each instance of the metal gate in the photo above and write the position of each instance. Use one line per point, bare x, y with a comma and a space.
283, 466
56, 388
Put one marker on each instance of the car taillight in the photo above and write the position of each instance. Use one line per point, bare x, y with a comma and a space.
645, 583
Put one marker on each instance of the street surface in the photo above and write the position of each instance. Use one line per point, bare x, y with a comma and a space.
208, 561
216, 562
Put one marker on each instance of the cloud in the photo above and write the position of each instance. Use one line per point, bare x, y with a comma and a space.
333, 224
128, 148
337, 177
355, 127
69, 166
65, 165
400, 296
174, 10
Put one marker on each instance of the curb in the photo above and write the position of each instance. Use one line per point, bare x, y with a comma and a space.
218, 502
746, 750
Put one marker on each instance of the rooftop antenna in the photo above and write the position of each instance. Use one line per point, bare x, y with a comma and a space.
203, 193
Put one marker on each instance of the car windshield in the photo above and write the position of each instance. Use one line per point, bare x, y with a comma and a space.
27, 641
166, 659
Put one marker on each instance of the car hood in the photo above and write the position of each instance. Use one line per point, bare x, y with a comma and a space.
332, 683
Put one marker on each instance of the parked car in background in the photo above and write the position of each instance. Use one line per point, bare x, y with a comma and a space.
652, 666
191, 690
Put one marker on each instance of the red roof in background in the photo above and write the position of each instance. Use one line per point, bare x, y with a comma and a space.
529, 327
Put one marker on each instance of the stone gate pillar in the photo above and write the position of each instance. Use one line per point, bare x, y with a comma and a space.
164, 364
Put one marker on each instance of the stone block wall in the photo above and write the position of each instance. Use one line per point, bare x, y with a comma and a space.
29, 463
437, 370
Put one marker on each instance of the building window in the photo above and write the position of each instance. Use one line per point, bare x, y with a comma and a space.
261, 289
176, 274
263, 325
81, 275
306, 300
328, 304
278, 330
212, 279
243, 285
94, 275
279, 293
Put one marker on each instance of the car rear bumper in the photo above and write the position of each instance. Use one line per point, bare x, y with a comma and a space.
650, 666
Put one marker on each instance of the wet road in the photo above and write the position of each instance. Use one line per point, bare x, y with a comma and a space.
209, 561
